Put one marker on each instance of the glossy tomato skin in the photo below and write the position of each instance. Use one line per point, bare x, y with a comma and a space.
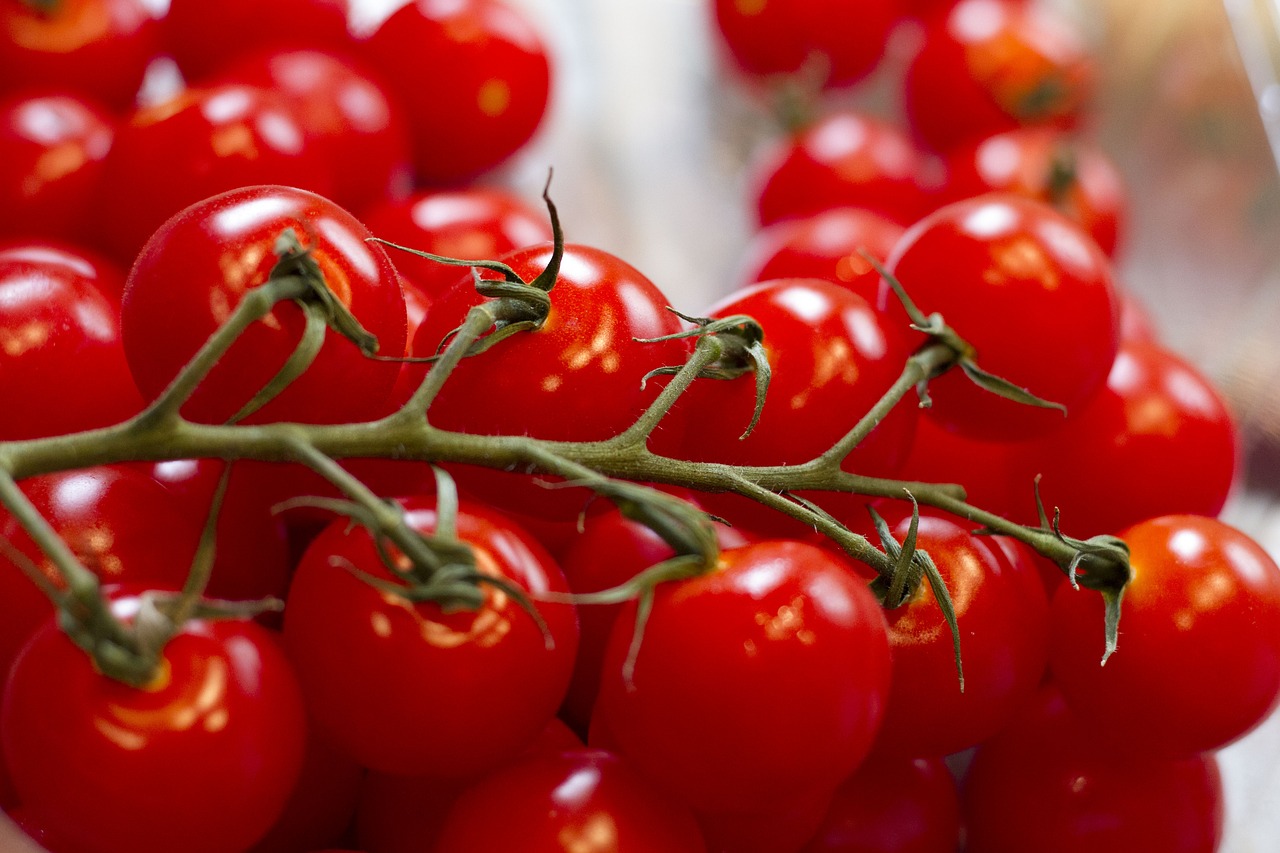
52, 147
99, 48
218, 138
1198, 660
783, 827
65, 260
780, 628
62, 360
375, 667
805, 37
321, 805
202, 262
989, 66
1001, 610
845, 158
473, 222
1112, 463
567, 801
1046, 784
1029, 291
99, 760
499, 77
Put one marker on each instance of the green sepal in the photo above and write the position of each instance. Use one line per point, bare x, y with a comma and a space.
294, 260
1004, 388
302, 357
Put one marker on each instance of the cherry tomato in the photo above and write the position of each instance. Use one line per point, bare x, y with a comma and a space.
844, 159
1198, 659
1111, 464
99, 759
99, 48
499, 82
52, 148
783, 827
780, 628
203, 260
474, 223
217, 138
322, 804
62, 362
800, 37
1029, 291
1045, 784
414, 689
57, 259
587, 799
993, 65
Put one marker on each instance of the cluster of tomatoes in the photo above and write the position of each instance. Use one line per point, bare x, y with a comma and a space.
784, 699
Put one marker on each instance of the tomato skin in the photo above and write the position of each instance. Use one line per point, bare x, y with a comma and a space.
561, 803
374, 667
1029, 291
844, 159
993, 65
321, 805
500, 80
779, 627
1198, 660
783, 827
98, 759
1046, 784
182, 271
99, 48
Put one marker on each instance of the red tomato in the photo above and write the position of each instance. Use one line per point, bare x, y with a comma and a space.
98, 759
204, 259
1002, 613
499, 80
577, 378
204, 38
563, 803
1050, 165
217, 138
1032, 294
348, 112
892, 805
803, 37
1198, 660
414, 689
322, 804
827, 245
475, 223
99, 48
52, 148
781, 647
1136, 322
1044, 784
783, 827
1111, 465
844, 159
993, 65
62, 362
56, 259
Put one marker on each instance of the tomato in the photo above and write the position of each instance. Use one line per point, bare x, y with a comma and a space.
1112, 463
474, 222
52, 147
101, 761
1136, 322
347, 110
993, 65
845, 158
801, 37
203, 260
892, 805
204, 38
587, 799
322, 804
499, 82
577, 378
1029, 291
768, 674
59, 260
1001, 611
1048, 164
62, 362
1045, 784
783, 827
1198, 660
99, 48
217, 138
827, 245
414, 689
